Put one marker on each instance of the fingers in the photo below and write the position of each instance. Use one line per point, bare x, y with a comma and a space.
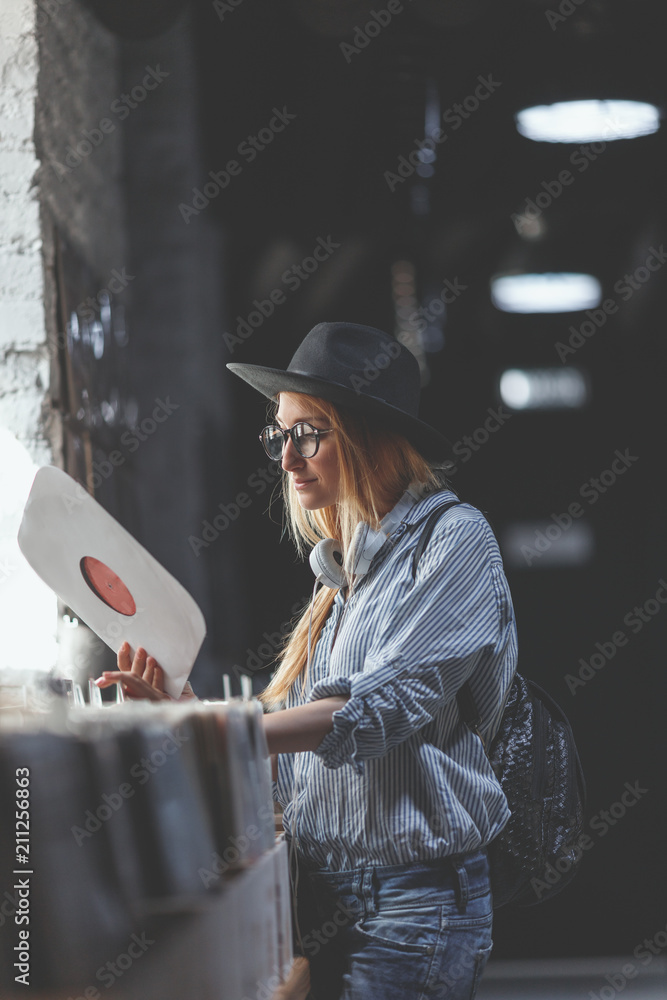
133, 685
124, 658
149, 670
157, 678
105, 680
154, 674
141, 676
139, 662
142, 665
135, 666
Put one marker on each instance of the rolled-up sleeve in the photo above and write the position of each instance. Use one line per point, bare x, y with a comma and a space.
434, 634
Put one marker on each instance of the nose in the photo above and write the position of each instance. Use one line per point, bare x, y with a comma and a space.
291, 458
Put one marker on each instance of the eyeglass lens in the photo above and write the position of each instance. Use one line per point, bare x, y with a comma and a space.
303, 435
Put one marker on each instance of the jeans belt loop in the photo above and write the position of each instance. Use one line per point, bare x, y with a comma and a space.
461, 887
370, 891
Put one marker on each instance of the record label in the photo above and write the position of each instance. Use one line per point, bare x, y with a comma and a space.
107, 585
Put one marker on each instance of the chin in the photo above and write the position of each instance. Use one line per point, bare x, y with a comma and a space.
314, 502
311, 504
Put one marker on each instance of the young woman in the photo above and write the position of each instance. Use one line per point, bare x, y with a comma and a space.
389, 800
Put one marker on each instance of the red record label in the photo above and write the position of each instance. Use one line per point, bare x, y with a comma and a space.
107, 585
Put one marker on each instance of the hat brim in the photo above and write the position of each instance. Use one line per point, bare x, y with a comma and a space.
270, 381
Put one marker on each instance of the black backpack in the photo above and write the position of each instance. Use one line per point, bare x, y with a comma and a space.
535, 759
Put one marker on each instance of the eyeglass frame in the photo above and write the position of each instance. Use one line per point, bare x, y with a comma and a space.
288, 432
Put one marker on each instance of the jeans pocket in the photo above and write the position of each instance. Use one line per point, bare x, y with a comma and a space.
414, 931
481, 959
460, 962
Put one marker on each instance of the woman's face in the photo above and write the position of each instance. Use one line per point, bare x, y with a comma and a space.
316, 480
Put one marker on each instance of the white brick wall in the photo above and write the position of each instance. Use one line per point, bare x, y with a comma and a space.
23, 355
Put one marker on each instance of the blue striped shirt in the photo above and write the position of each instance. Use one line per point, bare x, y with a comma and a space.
401, 778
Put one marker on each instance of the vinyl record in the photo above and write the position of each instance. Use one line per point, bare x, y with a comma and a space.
107, 578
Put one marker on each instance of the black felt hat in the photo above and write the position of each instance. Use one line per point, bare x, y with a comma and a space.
360, 368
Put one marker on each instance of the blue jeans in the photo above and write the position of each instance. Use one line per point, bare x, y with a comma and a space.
397, 932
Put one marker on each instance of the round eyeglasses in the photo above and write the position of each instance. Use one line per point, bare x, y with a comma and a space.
305, 438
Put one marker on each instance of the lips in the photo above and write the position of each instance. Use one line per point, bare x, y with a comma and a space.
300, 483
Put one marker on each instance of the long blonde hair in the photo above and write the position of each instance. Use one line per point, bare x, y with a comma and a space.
376, 467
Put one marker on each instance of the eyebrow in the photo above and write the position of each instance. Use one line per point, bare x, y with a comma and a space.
307, 420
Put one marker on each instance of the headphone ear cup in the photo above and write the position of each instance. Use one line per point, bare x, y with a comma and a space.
326, 562
326, 559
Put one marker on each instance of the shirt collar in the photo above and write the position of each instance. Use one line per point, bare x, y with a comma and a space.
424, 507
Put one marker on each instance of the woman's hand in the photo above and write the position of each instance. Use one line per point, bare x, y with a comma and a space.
142, 677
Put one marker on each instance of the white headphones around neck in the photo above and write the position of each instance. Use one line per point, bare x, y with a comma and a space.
327, 561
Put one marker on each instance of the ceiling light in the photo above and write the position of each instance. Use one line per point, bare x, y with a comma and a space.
588, 121
543, 388
551, 292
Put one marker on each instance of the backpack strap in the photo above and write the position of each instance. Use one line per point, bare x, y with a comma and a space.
465, 699
429, 525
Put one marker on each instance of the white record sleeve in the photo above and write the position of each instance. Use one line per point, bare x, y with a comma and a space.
107, 578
